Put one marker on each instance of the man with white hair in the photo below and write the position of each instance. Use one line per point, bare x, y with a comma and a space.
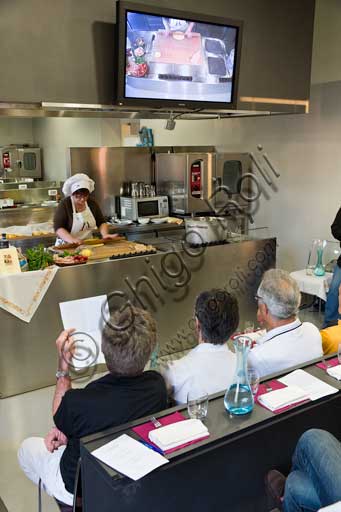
287, 342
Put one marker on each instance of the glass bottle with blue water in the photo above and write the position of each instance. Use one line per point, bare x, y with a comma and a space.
238, 397
319, 267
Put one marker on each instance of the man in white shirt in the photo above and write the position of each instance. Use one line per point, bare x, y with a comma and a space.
209, 367
288, 341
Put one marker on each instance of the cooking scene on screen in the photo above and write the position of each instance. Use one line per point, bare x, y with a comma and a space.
178, 59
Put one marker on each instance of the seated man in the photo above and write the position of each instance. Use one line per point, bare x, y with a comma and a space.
315, 478
288, 342
124, 394
331, 336
210, 366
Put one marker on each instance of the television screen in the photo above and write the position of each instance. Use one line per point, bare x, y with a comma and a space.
169, 59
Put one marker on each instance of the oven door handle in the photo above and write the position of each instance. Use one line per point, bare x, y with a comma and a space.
217, 181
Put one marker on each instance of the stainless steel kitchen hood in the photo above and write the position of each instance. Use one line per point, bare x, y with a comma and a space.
48, 109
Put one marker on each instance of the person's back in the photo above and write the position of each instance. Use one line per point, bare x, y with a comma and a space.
331, 336
279, 350
210, 366
288, 342
107, 402
124, 394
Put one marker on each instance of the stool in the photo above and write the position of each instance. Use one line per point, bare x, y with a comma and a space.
77, 500
70, 508
63, 507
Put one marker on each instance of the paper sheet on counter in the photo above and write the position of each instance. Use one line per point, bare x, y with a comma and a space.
313, 386
85, 315
129, 457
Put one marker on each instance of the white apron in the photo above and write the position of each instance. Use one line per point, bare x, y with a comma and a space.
82, 224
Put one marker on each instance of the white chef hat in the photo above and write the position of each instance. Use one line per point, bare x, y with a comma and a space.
77, 181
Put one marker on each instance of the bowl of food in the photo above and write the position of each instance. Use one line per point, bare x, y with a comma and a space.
143, 220
159, 220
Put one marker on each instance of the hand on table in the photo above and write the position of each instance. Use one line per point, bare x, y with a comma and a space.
54, 439
65, 349
76, 241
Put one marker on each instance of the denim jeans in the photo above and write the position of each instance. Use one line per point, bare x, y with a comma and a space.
315, 479
331, 313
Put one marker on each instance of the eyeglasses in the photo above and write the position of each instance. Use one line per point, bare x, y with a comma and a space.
257, 298
81, 193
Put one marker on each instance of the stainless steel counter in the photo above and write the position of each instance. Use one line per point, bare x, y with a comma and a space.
23, 215
148, 233
171, 283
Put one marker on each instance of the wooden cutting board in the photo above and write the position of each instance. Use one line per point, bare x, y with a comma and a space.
169, 50
89, 243
118, 249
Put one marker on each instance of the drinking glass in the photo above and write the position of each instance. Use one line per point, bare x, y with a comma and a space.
339, 352
249, 327
197, 404
254, 378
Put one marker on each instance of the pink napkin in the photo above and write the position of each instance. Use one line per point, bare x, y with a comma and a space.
275, 384
332, 362
143, 430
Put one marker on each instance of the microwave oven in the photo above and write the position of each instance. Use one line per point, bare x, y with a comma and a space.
132, 208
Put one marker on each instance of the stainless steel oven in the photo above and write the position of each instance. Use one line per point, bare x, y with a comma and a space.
203, 182
187, 179
231, 183
20, 161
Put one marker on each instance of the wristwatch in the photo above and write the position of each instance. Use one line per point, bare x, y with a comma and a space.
62, 373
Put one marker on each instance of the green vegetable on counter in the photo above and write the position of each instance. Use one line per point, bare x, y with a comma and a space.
38, 258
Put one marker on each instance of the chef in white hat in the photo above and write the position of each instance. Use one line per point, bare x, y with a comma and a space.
78, 215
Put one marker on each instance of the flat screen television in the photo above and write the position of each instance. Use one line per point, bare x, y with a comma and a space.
168, 58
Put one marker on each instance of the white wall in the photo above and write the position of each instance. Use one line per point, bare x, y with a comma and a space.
15, 131
306, 150
55, 135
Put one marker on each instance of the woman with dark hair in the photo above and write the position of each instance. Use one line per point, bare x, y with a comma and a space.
78, 215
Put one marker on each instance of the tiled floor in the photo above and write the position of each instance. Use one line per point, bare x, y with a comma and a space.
30, 414
22, 416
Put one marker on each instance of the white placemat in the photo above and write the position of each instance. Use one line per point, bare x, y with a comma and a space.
21, 294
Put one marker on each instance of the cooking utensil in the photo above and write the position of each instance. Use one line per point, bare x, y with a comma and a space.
155, 422
125, 189
202, 230
134, 189
141, 189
